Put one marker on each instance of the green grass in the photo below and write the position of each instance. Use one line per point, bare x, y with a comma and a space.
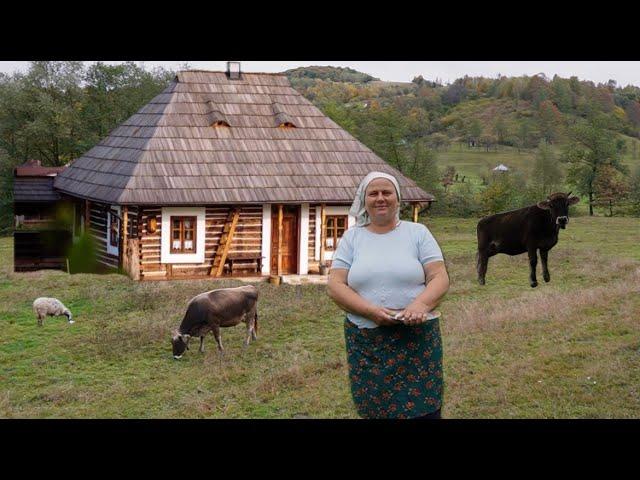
510, 350
476, 162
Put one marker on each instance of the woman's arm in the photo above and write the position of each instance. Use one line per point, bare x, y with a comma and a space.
349, 300
437, 281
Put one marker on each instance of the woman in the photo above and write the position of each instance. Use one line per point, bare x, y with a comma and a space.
388, 275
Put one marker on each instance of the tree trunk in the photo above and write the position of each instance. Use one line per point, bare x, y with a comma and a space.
590, 203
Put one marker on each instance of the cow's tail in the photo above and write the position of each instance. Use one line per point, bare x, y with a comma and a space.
255, 323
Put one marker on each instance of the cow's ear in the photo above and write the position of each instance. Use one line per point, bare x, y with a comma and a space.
545, 205
573, 200
185, 337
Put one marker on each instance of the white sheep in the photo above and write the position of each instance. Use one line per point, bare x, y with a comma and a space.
44, 306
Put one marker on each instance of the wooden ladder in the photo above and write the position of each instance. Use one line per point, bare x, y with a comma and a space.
225, 242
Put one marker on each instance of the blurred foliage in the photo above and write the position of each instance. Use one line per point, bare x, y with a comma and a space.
82, 255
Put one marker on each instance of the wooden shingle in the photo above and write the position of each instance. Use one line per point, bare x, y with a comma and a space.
168, 153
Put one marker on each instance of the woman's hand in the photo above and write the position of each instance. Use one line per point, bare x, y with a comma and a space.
415, 313
382, 316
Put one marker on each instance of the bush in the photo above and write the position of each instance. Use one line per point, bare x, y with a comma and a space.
506, 191
459, 202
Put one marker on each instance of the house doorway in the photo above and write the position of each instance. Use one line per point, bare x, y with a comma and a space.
290, 214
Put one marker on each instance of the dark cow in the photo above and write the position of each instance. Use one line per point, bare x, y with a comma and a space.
525, 230
225, 307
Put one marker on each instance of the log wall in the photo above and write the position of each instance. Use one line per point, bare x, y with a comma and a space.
98, 230
247, 239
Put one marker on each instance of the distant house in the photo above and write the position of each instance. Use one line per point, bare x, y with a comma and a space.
501, 168
223, 173
38, 242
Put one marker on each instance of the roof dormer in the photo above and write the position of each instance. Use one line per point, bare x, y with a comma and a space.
215, 117
283, 120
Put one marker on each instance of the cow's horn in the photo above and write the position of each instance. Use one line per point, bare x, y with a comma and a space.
569, 194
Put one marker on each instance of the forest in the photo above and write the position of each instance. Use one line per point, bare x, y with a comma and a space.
553, 133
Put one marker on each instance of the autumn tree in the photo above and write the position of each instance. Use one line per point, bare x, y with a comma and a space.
523, 134
488, 141
546, 176
611, 186
341, 115
561, 94
537, 90
500, 129
502, 193
438, 140
423, 167
549, 121
474, 130
633, 113
591, 147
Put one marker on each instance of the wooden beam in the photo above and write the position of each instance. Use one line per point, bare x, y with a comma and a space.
121, 229
225, 244
323, 232
280, 215
225, 241
415, 212
125, 221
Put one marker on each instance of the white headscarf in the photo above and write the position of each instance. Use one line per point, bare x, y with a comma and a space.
358, 209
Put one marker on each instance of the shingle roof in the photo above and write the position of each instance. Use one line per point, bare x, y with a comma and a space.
169, 152
33, 168
34, 189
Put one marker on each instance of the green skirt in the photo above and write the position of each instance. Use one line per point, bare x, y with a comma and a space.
395, 372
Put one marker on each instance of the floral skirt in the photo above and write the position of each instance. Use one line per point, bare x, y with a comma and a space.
395, 372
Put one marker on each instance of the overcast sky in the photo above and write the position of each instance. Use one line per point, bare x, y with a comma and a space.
624, 73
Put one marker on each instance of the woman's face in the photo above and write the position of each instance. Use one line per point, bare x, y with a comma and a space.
381, 201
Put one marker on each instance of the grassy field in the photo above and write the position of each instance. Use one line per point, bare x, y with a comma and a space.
475, 162
567, 349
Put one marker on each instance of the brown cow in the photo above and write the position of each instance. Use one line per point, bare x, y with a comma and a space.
528, 229
225, 307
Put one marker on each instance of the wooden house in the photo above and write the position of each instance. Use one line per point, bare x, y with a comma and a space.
38, 241
223, 173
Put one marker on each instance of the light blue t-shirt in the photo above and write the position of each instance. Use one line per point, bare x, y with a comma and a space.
386, 269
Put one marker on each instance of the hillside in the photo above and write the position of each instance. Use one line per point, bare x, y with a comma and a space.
335, 74
473, 124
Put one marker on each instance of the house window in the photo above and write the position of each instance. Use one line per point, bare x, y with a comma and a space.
114, 229
183, 234
336, 226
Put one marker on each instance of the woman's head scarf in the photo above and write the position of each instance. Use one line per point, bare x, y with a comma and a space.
358, 209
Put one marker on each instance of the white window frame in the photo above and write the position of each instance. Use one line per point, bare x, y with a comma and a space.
112, 249
333, 210
266, 239
165, 250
